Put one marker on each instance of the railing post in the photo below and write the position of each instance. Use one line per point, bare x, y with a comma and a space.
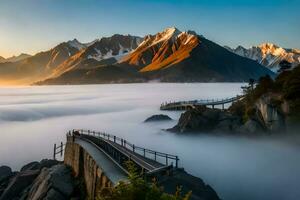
121, 142
125, 143
114, 139
176, 165
144, 152
54, 151
166, 160
61, 149
133, 148
155, 155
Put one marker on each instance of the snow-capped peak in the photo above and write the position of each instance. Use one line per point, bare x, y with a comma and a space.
171, 33
76, 44
269, 54
167, 34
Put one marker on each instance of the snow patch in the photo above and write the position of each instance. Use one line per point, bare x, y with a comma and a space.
76, 44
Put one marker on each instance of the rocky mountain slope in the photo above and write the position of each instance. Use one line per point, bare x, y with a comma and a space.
269, 55
168, 56
36, 67
107, 50
14, 58
2, 59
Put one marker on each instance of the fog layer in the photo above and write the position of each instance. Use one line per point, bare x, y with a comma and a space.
32, 119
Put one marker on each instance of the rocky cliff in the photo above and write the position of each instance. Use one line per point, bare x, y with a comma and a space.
268, 117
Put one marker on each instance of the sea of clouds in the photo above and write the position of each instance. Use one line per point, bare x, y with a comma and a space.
32, 119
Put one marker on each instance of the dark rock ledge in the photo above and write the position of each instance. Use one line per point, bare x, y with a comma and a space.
159, 117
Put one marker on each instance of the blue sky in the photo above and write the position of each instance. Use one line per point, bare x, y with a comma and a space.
31, 26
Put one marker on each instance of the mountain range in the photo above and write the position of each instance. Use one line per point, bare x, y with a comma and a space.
269, 55
168, 56
14, 58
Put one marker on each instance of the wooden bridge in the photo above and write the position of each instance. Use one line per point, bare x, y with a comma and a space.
186, 105
120, 150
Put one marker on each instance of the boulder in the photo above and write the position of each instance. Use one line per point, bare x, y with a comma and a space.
31, 166
48, 163
19, 183
52, 183
39, 165
206, 119
5, 175
5, 172
159, 117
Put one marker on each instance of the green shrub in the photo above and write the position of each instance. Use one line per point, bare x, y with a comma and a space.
138, 189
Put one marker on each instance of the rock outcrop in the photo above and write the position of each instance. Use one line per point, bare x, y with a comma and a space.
200, 190
52, 183
18, 185
206, 120
159, 117
267, 117
270, 108
48, 179
5, 172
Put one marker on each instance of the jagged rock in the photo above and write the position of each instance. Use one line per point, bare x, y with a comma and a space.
39, 165
53, 183
160, 117
252, 127
270, 107
48, 163
5, 175
5, 172
200, 190
18, 183
206, 119
266, 117
31, 166
228, 123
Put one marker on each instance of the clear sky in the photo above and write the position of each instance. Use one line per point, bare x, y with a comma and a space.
31, 26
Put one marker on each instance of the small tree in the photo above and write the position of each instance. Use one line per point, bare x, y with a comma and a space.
251, 83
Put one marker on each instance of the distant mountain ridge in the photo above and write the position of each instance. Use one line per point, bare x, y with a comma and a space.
14, 58
107, 50
167, 56
36, 67
269, 55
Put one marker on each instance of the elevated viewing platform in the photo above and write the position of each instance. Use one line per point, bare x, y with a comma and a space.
186, 105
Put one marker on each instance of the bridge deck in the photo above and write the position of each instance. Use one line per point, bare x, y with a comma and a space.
192, 104
111, 170
144, 162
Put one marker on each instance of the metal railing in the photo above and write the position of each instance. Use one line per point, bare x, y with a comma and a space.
201, 102
163, 158
58, 150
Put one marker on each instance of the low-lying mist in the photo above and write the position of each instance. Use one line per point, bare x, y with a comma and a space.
32, 119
